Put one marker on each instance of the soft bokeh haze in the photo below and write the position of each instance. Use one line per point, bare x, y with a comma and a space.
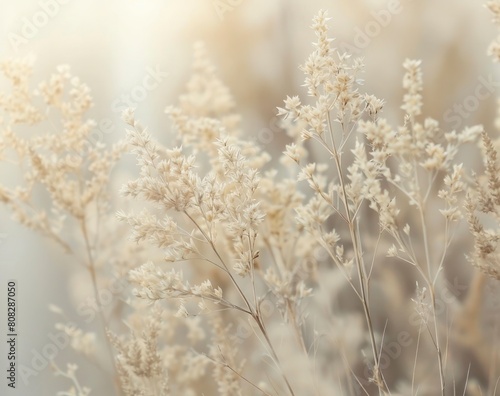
256, 47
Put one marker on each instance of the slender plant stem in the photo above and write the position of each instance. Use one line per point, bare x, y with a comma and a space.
433, 297
359, 261
91, 269
263, 330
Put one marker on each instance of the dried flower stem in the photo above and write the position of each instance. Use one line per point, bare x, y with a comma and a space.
363, 279
91, 268
254, 312
431, 285
70, 374
228, 366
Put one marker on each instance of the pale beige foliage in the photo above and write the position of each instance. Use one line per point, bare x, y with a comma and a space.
275, 277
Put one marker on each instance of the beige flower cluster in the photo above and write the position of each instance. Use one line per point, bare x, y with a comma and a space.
485, 199
62, 189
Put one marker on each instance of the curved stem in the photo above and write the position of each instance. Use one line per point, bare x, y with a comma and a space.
263, 330
93, 276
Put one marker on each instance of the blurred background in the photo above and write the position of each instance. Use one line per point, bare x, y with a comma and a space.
138, 53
